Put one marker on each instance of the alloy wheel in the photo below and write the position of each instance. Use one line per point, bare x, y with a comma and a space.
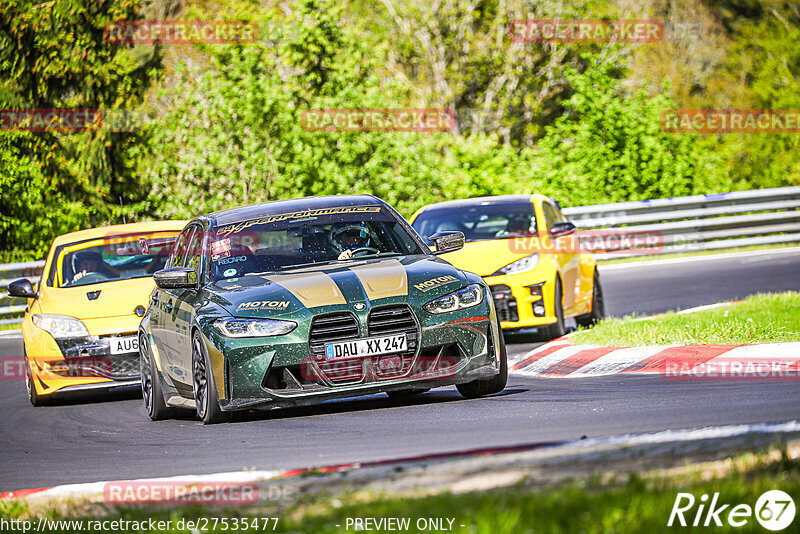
200, 379
145, 371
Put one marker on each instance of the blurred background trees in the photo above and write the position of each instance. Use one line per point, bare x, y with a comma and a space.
222, 127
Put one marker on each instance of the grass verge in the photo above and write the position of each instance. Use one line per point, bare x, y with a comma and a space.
600, 504
762, 318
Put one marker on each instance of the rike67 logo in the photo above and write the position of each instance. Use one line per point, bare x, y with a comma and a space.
774, 510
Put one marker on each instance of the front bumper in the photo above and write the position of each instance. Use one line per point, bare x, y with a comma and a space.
61, 367
523, 301
250, 374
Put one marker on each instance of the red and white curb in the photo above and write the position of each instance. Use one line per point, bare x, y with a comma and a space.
241, 478
562, 359
388, 468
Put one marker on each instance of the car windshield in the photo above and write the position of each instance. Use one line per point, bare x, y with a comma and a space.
482, 222
112, 258
279, 242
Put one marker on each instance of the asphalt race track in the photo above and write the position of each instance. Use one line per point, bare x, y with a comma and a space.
107, 439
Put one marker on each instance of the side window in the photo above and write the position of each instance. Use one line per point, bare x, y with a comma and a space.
179, 252
51, 275
550, 215
194, 253
559, 215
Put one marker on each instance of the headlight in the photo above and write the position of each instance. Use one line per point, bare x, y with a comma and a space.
528, 263
61, 326
463, 298
253, 327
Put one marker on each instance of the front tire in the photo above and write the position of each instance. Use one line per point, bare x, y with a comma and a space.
598, 304
479, 388
151, 384
556, 329
205, 389
33, 396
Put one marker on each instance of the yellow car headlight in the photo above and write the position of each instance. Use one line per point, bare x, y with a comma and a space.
61, 326
528, 263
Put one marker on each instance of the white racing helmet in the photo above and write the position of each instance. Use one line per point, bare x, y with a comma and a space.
349, 236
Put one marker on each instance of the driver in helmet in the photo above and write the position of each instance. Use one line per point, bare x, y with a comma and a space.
347, 238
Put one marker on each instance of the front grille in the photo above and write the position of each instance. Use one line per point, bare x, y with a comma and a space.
115, 367
388, 320
505, 303
343, 326
124, 366
330, 328
396, 319
349, 370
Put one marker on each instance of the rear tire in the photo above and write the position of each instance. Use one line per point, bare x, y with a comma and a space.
479, 388
205, 389
556, 329
598, 304
151, 383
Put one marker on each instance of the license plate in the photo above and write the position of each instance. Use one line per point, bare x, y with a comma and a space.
373, 346
123, 345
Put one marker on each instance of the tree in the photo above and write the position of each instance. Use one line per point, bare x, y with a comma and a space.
54, 55
610, 146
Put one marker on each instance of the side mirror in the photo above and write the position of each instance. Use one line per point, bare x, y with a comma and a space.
561, 229
175, 278
21, 288
447, 241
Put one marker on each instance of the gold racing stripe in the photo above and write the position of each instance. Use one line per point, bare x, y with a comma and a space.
383, 279
311, 289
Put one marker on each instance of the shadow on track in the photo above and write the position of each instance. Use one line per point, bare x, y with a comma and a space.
359, 404
94, 397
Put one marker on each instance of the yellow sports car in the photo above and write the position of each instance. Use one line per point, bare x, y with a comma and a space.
528, 253
82, 316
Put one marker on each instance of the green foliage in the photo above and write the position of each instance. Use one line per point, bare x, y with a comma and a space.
54, 55
27, 220
225, 129
762, 318
609, 146
768, 52
237, 138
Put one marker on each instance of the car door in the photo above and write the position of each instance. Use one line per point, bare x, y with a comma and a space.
169, 303
159, 298
185, 301
565, 256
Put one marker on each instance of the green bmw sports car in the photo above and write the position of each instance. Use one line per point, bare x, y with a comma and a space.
296, 302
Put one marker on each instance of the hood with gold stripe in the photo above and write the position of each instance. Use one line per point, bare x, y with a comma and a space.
341, 285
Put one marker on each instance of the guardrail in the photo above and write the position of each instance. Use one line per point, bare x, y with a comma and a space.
11, 309
694, 223
682, 224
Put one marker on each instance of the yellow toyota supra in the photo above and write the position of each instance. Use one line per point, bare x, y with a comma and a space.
82, 316
528, 253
